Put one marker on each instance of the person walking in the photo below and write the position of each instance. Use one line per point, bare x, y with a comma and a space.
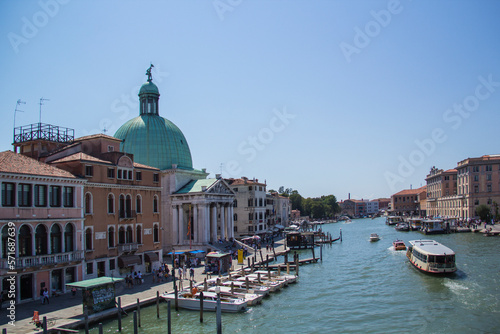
191, 273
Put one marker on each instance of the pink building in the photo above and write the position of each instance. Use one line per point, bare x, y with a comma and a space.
42, 217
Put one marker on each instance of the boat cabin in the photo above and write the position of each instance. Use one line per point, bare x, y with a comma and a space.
298, 240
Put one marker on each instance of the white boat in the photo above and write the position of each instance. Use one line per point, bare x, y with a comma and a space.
250, 298
374, 237
254, 281
252, 288
431, 257
187, 301
288, 279
433, 226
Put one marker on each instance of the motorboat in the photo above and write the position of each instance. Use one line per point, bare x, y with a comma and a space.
399, 245
402, 227
252, 288
430, 256
374, 237
250, 298
254, 281
188, 301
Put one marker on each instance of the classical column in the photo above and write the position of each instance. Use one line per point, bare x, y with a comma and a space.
214, 223
194, 223
223, 221
181, 225
175, 224
206, 223
231, 220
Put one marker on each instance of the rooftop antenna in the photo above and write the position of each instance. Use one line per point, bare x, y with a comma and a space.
19, 102
41, 104
104, 130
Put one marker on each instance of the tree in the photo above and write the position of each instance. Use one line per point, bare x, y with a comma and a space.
483, 211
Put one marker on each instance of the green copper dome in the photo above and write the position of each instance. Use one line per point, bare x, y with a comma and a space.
149, 88
152, 139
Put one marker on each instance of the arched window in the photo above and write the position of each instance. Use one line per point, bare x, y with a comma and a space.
130, 236
121, 235
156, 233
111, 237
155, 204
138, 235
128, 206
5, 240
41, 240
121, 206
25, 248
88, 239
111, 203
88, 203
55, 239
69, 236
138, 204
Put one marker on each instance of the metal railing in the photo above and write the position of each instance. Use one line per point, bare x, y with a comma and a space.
43, 260
130, 247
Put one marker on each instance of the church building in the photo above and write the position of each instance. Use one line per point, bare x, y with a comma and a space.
196, 211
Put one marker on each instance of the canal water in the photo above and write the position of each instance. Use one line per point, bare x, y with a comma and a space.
365, 287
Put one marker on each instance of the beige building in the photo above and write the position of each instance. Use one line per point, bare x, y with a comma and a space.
249, 206
442, 199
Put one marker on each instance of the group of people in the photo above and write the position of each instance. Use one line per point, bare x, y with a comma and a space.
161, 273
134, 278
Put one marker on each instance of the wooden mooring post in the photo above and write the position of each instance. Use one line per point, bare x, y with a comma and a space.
138, 313
158, 304
201, 307
219, 315
86, 313
45, 325
135, 322
169, 317
119, 314
321, 252
101, 330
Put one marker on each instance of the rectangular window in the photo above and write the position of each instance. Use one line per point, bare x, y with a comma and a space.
130, 175
488, 168
110, 148
89, 170
250, 188
119, 174
24, 194
138, 176
112, 264
250, 216
250, 228
68, 197
488, 177
40, 195
55, 196
90, 268
156, 177
476, 178
111, 173
488, 188
8, 194
476, 188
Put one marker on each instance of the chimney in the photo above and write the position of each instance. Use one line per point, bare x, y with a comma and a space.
349, 196
217, 176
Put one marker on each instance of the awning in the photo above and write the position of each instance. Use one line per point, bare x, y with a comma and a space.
91, 283
197, 251
151, 257
128, 260
176, 253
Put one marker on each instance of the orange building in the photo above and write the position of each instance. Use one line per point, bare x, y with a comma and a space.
409, 202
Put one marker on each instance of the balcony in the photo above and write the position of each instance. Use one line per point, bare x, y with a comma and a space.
128, 248
44, 260
131, 214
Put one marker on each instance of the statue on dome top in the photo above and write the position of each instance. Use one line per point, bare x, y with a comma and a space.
148, 73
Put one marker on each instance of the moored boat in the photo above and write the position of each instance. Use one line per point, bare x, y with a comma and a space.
431, 257
402, 227
393, 220
187, 301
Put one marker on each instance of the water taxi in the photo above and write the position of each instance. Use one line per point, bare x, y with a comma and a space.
399, 245
187, 300
393, 220
374, 237
431, 257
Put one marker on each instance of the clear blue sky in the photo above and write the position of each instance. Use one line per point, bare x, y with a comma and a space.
356, 84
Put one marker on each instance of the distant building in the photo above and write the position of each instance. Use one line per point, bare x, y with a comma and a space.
279, 209
383, 203
41, 215
408, 202
295, 214
355, 208
442, 199
249, 206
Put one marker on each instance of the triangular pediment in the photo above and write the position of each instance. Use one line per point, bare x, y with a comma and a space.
220, 187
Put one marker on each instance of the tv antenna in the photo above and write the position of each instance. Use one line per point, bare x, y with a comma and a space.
18, 103
41, 104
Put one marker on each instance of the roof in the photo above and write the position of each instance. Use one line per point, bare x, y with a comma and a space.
11, 162
450, 171
195, 186
98, 135
90, 283
411, 191
239, 182
80, 156
155, 141
149, 88
431, 247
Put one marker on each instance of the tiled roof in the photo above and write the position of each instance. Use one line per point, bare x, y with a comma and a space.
11, 162
81, 156
98, 135
138, 165
411, 191
195, 186
239, 182
450, 171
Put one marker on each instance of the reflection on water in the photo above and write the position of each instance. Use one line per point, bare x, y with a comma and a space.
367, 287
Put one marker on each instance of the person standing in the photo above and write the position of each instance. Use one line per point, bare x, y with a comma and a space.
46, 295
